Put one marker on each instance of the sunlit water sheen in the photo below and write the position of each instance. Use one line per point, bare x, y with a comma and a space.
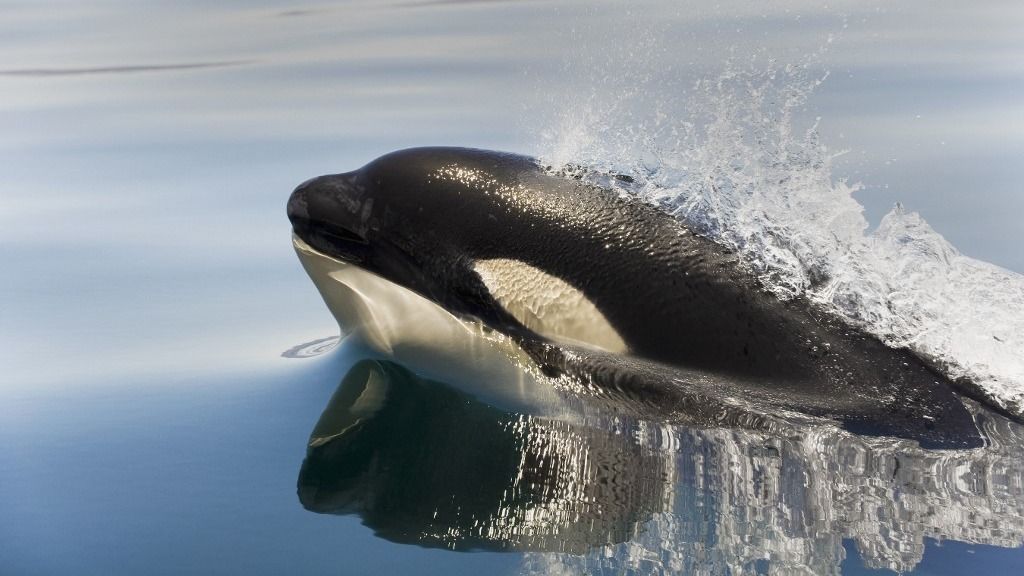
169, 389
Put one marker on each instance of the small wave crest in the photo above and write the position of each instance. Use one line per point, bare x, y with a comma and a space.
312, 348
737, 169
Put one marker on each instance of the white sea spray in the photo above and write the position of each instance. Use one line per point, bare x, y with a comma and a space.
737, 167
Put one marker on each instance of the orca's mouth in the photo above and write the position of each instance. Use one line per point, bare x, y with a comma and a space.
331, 239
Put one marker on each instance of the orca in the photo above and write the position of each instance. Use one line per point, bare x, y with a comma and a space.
604, 291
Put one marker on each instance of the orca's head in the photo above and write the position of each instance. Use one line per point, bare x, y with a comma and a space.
478, 233
352, 217
419, 218
331, 214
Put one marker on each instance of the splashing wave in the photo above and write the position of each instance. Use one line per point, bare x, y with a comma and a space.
738, 170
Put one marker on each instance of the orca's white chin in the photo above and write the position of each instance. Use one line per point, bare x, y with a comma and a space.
395, 322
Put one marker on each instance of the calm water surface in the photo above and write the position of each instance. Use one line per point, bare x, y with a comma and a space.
151, 424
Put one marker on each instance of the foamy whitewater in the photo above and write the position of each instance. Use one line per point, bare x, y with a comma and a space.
739, 171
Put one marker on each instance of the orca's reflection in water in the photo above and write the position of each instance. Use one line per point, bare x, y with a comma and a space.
422, 463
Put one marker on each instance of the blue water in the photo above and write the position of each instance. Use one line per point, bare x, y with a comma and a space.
150, 423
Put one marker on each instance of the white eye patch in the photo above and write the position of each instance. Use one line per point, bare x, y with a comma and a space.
547, 304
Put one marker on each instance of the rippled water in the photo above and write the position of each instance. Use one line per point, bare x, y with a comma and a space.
162, 414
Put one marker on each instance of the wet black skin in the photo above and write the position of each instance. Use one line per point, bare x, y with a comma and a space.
685, 306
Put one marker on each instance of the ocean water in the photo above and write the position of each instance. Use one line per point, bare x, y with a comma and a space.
169, 398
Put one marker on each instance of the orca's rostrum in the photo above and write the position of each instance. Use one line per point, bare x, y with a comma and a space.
424, 247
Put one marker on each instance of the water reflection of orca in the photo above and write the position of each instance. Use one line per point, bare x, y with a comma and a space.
608, 291
425, 464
